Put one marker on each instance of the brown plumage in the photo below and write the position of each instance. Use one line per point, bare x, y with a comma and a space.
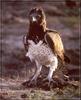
54, 41
38, 31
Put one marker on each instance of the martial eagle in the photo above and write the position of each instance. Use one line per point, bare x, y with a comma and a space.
39, 32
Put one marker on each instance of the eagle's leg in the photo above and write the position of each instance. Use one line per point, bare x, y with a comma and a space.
50, 74
37, 72
49, 77
52, 67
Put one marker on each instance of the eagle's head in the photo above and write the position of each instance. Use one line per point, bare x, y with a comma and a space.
37, 16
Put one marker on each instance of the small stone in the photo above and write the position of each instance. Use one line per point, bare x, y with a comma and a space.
24, 95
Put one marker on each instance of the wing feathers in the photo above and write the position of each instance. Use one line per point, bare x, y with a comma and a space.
53, 39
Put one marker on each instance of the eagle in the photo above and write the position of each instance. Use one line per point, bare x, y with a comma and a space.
40, 38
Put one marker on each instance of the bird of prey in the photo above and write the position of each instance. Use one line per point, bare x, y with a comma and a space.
51, 39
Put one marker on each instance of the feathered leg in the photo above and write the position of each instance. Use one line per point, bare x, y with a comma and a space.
52, 66
38, 70
49, 77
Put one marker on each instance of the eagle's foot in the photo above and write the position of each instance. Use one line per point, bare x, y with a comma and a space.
32, 82
49, 81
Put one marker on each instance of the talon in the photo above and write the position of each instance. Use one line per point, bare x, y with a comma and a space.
32, 82
66, 77
45, 79
49, 81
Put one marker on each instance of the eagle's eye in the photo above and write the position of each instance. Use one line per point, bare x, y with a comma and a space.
39, 16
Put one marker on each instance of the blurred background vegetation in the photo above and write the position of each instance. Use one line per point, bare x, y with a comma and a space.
61, 15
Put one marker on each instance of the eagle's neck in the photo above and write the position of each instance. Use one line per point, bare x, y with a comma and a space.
37, 29
36, 32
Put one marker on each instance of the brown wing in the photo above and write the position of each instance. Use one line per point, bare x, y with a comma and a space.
53, 39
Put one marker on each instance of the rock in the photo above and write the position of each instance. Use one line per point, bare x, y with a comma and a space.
24, 95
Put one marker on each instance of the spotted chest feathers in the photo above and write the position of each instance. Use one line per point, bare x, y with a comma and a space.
40, 52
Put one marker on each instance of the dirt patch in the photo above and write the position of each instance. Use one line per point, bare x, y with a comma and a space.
44, 84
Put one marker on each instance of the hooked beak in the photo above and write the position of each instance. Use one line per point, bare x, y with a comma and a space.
34, 19
26, 55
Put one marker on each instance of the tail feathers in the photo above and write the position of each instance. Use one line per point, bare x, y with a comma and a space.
66, 59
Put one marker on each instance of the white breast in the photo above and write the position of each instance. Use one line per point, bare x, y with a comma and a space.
41, 52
